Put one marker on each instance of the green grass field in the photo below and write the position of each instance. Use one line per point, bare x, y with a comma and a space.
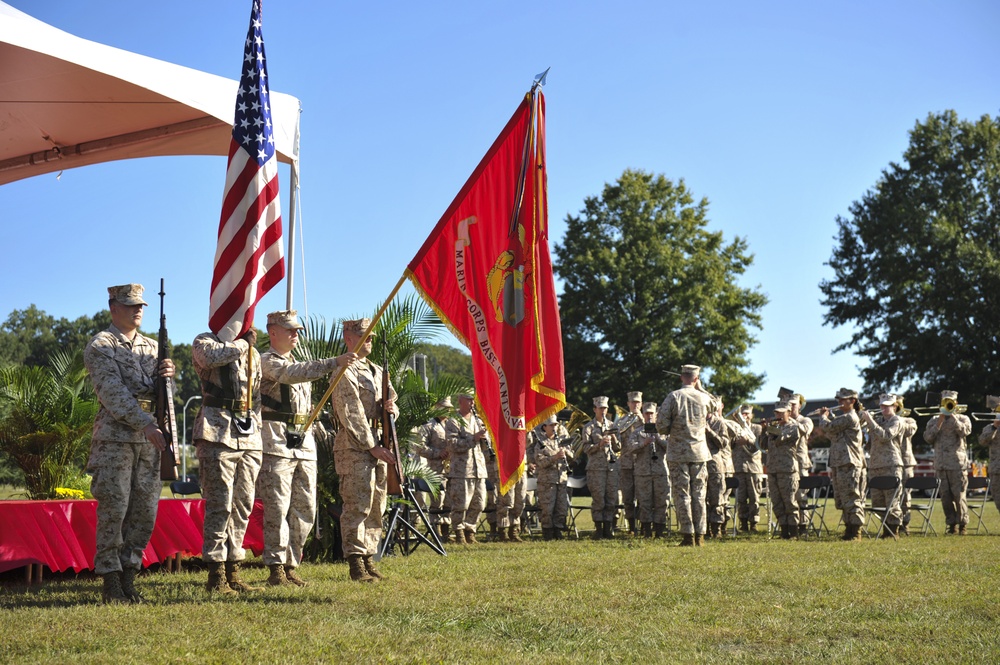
919, 600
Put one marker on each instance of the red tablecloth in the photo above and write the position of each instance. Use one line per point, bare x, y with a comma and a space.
60, 534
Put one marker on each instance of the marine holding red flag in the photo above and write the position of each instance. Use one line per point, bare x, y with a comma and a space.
486, 270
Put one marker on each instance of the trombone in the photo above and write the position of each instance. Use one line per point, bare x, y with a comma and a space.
992, 402
947, 407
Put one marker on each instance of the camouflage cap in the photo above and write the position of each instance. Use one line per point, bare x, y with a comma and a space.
781, 407
887, 399
551, 420
635, 396
470, 394
445, 403
949, 394
746, 408
846, 393
357, 326
649, 407
690, 369
127, 294
287, 318
992, 402
601, 402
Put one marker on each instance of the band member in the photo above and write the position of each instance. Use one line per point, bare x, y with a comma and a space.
626, 425
991, 439
434, 448
720, 467
806, 425
602, 446
885, 460
552, 454
748, 471
780, 439
648, 449
683, 417
947, 432
467, 442
909, 461
847, 460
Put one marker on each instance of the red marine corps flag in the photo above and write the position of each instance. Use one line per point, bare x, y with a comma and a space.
249, 259
486, 270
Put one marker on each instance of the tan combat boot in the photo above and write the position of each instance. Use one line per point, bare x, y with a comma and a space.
235, 581
111, 593
371, 569
446, 533
358, 571
470, 537
699, 540
293, 577
217, 580
128, 586
687, 540
493, 532
501, 535
961, 529
277, 576
513, 535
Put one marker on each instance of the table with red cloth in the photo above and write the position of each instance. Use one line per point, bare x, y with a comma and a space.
61, 534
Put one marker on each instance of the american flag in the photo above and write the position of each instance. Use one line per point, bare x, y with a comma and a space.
249, 259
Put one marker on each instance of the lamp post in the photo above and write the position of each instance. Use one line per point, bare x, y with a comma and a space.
184, 436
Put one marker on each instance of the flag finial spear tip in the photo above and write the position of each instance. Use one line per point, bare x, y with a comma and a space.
540, 78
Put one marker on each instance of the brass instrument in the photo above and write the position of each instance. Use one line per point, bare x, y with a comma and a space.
992, 402
946, 406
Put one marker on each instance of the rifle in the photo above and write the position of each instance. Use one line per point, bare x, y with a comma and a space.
164, 387
395, 477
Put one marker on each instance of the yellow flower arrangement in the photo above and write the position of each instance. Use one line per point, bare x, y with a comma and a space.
68, 493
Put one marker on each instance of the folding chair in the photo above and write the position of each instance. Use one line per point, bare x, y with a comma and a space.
886, 483
420, 485
575, 483
531, 510
732, 483
184, 488
924, 509
978, 504
818, 487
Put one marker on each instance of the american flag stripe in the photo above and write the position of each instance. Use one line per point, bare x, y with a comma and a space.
249, 257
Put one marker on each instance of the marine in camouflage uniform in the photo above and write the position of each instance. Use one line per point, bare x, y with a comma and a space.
229, 446
467, 441
287, 480
126, 443
552, 453
652, 480
433, 447
747, 469
909, 462
627, 425
990, 438
780, 440
886, 439
492, 492
601, 444
683, 418
806, 425
847, 461
718, 435
361, 462
947, 432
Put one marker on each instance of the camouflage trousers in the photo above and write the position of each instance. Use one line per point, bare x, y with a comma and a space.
802, 498
653, 495
748, 496
883, 498
954, 485
510, 506
492, 494
363, 491
904, 500
227, 485
603, 486
716, 497
782, 489
849, 493
467, 497
436, 505
626, 483
553, 504
687, 489
126, 483
287, 486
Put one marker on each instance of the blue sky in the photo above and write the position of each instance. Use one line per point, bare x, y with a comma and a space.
780, 113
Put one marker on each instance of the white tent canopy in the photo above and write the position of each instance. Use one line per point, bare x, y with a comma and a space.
68, 102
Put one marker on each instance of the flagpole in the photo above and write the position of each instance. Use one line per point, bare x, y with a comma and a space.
361, 342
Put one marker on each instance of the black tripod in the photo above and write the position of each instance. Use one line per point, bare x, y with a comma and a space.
401, 531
